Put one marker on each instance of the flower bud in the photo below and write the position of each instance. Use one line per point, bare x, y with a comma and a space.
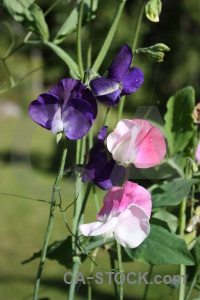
156, 55
160, 47
153, 10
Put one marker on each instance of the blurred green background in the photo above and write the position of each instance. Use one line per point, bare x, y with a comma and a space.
29, 155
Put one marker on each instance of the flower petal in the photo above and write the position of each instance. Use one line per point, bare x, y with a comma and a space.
102, 86
135, 194
57, 123
77, 118
43, 109
151, 150
110, 175
121, 63
131, 81
133, 227
98, 228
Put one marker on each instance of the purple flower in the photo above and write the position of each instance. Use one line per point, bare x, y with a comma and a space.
103, 173
122, 79
68, 107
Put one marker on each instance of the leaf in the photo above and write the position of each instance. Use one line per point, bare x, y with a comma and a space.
171, 193
70, 24
160, 248
74, 71
171, 220
29, 15
60, 251
179, 121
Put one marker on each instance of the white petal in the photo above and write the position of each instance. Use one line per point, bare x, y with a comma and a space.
133, 227
98, 228
57, 123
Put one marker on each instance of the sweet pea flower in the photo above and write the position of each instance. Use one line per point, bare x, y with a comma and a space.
137, 141
125, 215
122, 79
68, 107
105, 174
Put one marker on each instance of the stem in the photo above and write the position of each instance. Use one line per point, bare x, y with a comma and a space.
76, 266
147, 285
106, 120
112, 264
182, 224
79, 48
193, 281
93, 256
50, 222
120, 270
120, 109
89, 52
138, 25
109, 37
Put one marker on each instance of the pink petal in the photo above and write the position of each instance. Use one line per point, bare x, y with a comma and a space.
133, 227
110, 203
197, 156
150, 150
135, 194
119, 134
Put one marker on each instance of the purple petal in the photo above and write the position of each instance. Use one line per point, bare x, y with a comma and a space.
110, 99
43, 109
102, 86
121, 63
132, 80
87, 96
77, 118
110, 175
102, 134
57, 123
67, 88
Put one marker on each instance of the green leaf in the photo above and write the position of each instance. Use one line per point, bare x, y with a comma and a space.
171, 193
160, 248
29, 15
171, 220
179, 121
60, 251
70, 24
73, 67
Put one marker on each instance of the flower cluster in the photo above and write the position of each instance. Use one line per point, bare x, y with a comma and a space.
70, 107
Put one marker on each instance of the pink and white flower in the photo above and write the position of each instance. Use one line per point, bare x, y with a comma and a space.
137, 141
125, 215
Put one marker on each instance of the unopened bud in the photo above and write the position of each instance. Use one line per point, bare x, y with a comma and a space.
156, 55
160, 47
153, 9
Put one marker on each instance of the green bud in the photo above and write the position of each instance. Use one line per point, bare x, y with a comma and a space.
89, 75
156, 55
58, 137
153, 9
160, 47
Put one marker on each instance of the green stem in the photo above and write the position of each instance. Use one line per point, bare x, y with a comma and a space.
95, 196
112, 264
138, 25
193, 281
108, 40
107, 117
93, 256
148, 279
50, 222
119, 256
89, 51
79, 47
75, 269
120, 109
182, 224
